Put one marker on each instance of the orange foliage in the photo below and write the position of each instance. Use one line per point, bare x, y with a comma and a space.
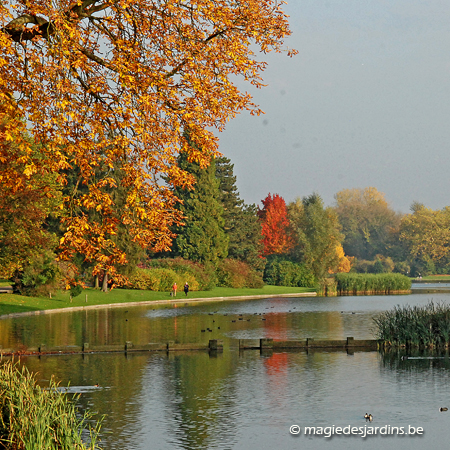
277, 238
113, 85
345, 262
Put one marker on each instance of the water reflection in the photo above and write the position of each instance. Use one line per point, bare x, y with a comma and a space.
241, 399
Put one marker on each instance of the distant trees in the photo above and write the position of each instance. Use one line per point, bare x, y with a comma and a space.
368, 223
316, 232
426, 235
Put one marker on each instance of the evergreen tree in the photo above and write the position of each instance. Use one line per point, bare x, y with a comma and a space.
202, 238
241, 223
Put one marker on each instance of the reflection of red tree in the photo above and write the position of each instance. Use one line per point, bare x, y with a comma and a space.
276, 365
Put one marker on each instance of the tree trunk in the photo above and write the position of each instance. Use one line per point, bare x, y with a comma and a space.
105, 283
96, 284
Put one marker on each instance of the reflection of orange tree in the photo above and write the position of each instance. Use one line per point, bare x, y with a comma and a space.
276, 364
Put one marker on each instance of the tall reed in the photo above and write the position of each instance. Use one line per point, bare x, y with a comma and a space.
387, 283
417, 326
33, 418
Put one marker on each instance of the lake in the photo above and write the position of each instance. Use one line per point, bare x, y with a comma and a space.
243, 399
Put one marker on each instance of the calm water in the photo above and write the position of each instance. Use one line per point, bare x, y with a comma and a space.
242, 400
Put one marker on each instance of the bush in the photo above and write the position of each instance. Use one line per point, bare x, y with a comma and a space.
287, 273
36, 418
160, 280
203, 274
237, 274
39, 277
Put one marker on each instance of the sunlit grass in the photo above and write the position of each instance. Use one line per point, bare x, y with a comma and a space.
12, 303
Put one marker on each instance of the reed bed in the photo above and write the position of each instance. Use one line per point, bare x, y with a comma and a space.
368, 283
33, 418
415, 326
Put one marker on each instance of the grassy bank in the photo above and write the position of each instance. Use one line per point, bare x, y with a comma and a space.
11, 303
438, 278
36, 418
418, 326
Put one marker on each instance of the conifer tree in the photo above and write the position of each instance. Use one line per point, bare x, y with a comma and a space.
202, 238
241, 223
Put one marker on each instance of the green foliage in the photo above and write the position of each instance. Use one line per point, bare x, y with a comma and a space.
279, 272
352, 283
76, 290
39, 276
203, 274
25, 204
33, 418
427, 325
237, 274
241, 223
317, 235
380, 265
202, 238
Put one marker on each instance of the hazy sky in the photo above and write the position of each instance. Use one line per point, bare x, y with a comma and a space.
366, 102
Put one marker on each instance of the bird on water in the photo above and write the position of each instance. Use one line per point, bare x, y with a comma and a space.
443, 409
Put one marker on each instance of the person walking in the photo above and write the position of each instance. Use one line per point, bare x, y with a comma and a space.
174, 289
186, 288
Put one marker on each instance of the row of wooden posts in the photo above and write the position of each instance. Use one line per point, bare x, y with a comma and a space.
211, 345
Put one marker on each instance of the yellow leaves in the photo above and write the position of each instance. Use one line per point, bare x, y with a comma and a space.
123, 106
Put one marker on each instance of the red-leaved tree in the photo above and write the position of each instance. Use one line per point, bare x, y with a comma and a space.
275, 225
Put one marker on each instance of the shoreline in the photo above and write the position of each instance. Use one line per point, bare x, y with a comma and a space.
180, 301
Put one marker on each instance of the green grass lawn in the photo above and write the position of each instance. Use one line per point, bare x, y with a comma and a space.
436, 278
11, 303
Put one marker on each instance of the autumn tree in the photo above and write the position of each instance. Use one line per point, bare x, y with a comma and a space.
275, 225
201, 238
316, 232
368, 223
426, 234
26, 200
115, 84
241, 223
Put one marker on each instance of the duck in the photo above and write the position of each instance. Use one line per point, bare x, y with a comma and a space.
443, 409
368, 417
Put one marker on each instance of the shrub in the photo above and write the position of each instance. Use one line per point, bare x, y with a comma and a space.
39, 277
203, 274
160, 280
287, 273
237, 274
36, 418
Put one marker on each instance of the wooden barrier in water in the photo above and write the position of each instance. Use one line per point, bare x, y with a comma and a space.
307, 343
212, 345
128, 347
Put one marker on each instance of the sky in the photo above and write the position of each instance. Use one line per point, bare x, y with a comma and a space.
366, 102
